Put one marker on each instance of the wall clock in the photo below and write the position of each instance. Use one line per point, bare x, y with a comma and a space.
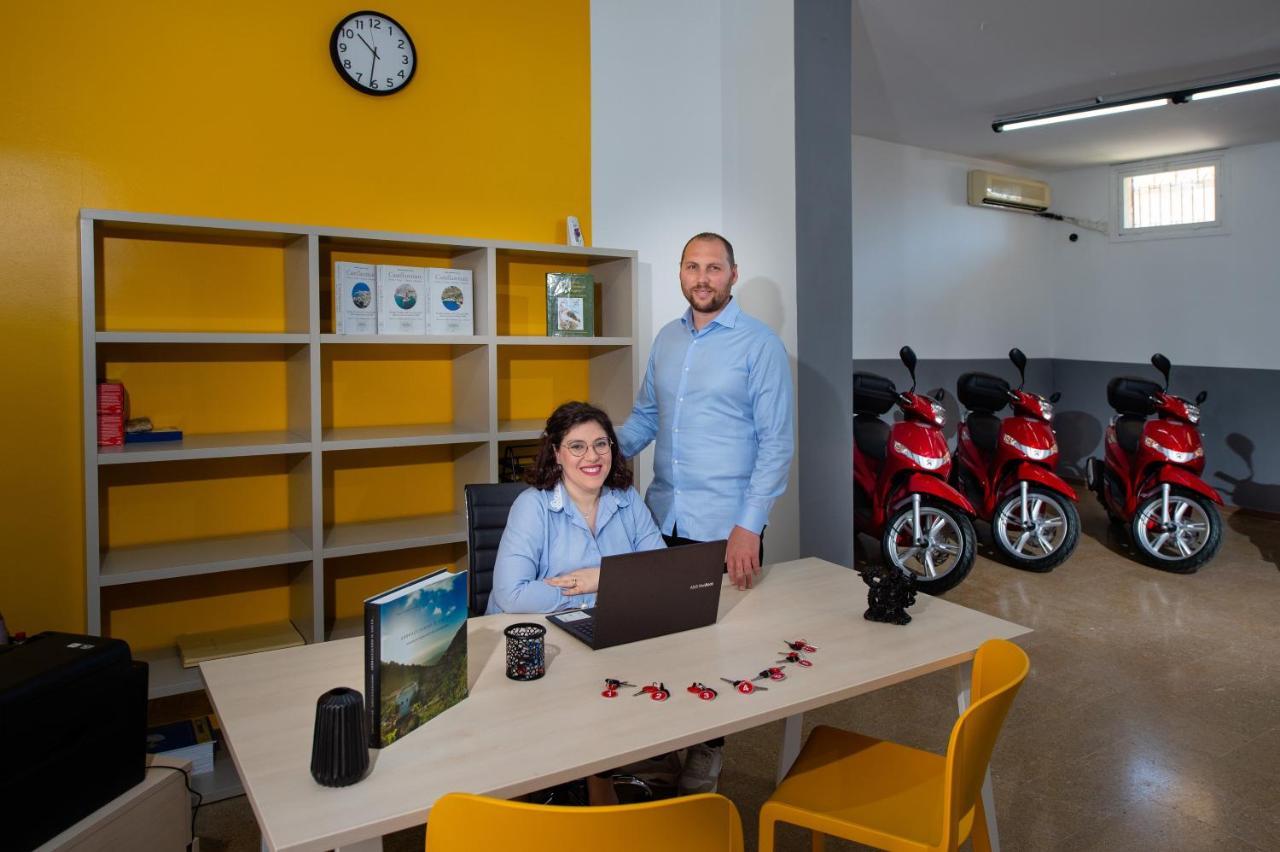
373, 53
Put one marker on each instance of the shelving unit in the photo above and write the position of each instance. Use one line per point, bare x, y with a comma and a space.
314, 467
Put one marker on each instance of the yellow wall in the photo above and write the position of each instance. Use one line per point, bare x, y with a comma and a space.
233, 109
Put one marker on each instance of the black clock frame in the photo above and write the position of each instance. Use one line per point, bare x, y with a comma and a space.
337, 61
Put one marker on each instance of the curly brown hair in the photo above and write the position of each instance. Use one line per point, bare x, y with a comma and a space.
545, 471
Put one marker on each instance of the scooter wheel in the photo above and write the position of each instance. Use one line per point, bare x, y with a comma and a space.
947, 556
1049, 537
1193, 541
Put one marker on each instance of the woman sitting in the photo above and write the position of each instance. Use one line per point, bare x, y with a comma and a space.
581, 507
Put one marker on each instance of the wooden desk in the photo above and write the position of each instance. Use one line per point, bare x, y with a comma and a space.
510, 738
155, 814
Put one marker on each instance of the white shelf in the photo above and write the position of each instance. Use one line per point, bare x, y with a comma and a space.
222, 783
520, 430
213, 446
345, 628
146, 562
397, 534
165, 674
534, 340
407, 339
319, 369
415, 435
211, 337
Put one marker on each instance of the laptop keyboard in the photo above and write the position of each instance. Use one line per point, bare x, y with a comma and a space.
585, 628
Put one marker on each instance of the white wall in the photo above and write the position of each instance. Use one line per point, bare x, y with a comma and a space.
692, 129
951, 280
1209, 301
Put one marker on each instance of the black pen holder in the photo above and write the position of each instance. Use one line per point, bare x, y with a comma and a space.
526, 651
340, 745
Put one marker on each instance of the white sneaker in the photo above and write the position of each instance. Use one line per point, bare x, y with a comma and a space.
701, 773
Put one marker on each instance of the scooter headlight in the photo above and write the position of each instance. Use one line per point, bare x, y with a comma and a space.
1193, 412
940, 414
1175, 456
1031, 452
926, 462
1046, 409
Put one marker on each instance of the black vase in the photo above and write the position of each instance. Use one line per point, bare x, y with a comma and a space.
340, 746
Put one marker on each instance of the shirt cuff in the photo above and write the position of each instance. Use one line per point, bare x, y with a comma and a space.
753, 518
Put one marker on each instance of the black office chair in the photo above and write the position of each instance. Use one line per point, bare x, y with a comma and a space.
487, 509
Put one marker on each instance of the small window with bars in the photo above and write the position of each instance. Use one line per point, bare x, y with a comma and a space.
1169, 198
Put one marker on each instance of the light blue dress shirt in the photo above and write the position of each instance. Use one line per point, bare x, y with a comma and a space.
546, 536
718, 401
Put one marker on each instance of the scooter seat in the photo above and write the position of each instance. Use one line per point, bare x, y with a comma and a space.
984, 430
871, 436
1129, 432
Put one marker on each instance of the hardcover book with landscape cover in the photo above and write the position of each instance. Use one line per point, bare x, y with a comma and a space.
415, 652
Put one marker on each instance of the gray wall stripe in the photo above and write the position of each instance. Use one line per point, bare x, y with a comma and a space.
824, 270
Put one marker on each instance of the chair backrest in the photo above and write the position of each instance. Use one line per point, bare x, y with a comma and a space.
999, 668
704, 823
487, 509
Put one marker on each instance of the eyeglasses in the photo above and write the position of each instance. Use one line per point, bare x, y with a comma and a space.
578, 449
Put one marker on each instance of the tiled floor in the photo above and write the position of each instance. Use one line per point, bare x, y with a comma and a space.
1151, 719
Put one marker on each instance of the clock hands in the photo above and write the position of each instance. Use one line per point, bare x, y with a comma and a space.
372, 49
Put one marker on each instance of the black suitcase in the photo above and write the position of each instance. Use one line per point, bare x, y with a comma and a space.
73, 731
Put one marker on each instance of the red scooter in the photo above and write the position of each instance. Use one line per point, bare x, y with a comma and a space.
900, 484
1006, 468
1150, 479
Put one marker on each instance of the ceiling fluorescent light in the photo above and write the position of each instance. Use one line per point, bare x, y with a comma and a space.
1076, 114
1235, 88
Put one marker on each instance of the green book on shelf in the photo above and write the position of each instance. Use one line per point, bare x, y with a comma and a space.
571, 304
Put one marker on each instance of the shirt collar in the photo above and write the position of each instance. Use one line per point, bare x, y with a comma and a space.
608, 497
727, 317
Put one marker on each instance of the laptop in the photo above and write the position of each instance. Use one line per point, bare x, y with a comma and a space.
650, 593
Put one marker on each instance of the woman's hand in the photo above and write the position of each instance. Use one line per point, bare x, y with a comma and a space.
584, 581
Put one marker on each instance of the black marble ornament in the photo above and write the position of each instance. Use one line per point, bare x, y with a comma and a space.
340, 745
889, 593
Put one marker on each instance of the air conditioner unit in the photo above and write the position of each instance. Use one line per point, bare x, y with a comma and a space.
988, 189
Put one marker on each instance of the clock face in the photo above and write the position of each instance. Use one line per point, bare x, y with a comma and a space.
373, 53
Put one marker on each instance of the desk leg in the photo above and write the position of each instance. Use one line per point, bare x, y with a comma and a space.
964, 685
790, 744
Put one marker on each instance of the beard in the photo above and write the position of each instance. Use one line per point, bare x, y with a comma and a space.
714, 303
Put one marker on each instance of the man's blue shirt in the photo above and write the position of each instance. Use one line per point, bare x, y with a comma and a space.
546, 536
718, 402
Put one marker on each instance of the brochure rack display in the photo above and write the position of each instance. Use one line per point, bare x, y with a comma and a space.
313, 466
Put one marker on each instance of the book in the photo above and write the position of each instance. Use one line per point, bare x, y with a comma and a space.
152, 436
195, 648
452, 307
402, 299
189, 739
571, 304
355, 305
415, 654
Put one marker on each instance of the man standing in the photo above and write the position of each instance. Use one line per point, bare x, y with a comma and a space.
717, 398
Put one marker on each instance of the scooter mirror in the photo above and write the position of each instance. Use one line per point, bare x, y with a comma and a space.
1162, 364
1020, 361
1055, 396
908, 356
1201, 397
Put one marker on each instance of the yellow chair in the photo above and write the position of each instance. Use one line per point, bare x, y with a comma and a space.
460, 822
895, 797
